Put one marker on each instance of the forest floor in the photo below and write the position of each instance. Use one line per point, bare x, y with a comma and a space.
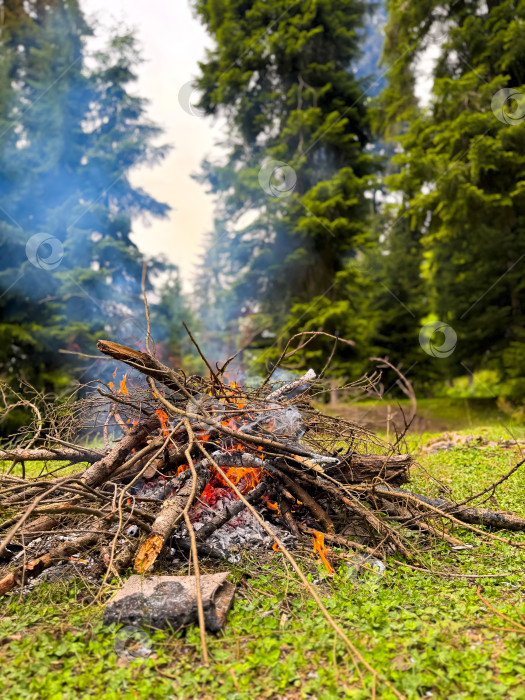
435, 635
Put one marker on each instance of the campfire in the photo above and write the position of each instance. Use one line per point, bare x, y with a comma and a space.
203, 466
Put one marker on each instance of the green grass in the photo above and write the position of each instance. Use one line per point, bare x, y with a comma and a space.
436, 414
427, 634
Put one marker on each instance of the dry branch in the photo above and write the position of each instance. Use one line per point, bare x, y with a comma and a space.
475, 516
100, 471
73, 455
145, 363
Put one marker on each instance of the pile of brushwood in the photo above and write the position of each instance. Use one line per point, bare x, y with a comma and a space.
183, 456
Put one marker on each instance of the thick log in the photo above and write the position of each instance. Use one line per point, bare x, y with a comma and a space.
359, 468
170, 513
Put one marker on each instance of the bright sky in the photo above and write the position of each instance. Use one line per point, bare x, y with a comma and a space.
172, 41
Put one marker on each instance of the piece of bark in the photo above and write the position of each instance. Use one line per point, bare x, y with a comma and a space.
164, 602
170, 513
35, 567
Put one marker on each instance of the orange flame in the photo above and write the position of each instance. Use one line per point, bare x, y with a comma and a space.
163, 419
182, 468
110, 385
115, 373
237, 474
320, 549
276, 547
123, 388
272, 505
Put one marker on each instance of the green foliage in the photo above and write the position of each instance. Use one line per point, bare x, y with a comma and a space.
438, 237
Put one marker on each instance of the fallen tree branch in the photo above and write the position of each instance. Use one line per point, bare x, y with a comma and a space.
145, 363
476, 516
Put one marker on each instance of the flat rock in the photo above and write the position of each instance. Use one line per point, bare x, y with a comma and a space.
162, 602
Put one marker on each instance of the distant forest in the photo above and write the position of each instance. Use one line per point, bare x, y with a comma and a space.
356, 198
